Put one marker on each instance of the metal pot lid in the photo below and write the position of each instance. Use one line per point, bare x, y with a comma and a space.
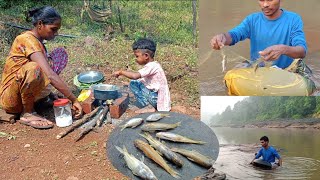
90, 77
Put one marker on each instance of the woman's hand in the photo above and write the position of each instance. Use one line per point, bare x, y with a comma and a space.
76, 106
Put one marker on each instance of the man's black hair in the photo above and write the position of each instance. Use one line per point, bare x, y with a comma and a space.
264, 138
145, 44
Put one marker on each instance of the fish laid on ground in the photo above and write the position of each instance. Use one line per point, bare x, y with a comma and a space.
154, 155
156, 116
132, 123
137, 167
163, 150
159, 126
177, 138
195, 157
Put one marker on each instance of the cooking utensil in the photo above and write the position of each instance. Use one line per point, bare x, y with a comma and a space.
105, 91
90, 77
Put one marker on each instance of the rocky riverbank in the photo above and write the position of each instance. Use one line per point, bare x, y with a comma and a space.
282, 123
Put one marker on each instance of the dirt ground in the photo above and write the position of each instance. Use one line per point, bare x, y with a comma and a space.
37, 154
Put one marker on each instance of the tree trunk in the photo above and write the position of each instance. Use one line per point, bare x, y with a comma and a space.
194, 23
110, 4
120, 21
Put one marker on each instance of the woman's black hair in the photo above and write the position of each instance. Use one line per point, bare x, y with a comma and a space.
46, 14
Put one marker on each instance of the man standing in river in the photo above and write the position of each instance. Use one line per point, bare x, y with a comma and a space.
275, 35
268, 153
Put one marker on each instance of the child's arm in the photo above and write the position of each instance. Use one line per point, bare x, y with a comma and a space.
128, 74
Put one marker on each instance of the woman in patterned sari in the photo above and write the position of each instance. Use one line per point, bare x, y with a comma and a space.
27, 72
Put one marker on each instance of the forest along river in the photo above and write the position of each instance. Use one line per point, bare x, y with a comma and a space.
299, 149
222, 15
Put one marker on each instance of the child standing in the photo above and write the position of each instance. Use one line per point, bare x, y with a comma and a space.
149, 84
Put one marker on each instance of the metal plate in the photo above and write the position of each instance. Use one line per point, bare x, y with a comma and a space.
90, 77
190, 127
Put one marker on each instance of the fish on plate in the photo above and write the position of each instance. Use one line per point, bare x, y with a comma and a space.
151, 127
195, 156
137, 167
154, 155
163, 150
177, 138
134, 122
156, 116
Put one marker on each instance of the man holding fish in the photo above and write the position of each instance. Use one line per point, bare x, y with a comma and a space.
275, 35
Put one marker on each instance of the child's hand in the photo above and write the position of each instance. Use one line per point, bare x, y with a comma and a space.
116, 74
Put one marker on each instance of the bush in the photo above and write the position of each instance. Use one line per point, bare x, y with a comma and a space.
297, 116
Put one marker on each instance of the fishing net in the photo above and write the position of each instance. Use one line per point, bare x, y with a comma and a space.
95, 13
212, 67
267, 81
250, 79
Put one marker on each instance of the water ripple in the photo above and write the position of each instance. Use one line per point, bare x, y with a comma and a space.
235, 163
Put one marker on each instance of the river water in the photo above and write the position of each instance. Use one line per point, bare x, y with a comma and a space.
299, 149
218, 16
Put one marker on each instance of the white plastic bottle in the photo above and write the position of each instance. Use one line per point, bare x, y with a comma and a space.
62, 112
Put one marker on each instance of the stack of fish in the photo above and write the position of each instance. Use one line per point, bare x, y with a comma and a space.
157, 151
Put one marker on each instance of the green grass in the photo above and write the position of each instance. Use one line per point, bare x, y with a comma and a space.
164, 21
169, 23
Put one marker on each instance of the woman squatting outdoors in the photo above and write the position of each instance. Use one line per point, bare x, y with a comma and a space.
29, 69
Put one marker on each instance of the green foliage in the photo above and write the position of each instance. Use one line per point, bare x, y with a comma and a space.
254, 109
317, 110
138, 35
297, 116
164, 21
169, 23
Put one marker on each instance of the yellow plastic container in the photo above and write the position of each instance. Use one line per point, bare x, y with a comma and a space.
85, 93
267, 81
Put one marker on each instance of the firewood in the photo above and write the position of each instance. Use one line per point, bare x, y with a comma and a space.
102, 115
81, 121
91, 124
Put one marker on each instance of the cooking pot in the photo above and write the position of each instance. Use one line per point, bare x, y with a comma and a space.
105, 91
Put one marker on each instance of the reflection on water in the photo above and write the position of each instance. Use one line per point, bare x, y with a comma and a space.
300, 150
221, 15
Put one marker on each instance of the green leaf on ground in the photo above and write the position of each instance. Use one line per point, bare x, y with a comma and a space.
8, 136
